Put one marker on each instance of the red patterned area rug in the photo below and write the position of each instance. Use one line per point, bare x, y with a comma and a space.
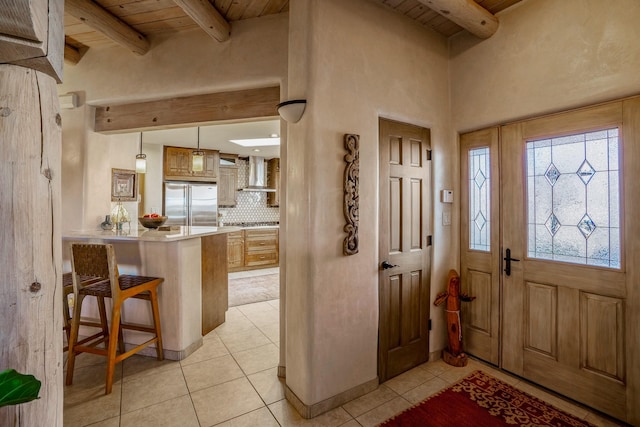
480, 400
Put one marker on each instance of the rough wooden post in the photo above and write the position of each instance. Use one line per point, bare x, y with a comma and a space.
31, 52
30, 241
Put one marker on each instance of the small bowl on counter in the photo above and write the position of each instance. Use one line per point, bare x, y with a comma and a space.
152, 222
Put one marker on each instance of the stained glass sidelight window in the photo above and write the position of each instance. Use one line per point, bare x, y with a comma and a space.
479, 200
573, 198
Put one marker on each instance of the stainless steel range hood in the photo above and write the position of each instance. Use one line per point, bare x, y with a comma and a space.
257, 175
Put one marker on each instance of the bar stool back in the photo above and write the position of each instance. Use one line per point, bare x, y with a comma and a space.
99, 262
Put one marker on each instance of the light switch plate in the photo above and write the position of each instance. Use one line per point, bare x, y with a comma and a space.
446, 218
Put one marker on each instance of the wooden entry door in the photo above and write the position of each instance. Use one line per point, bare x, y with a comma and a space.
404, 247
569, 300
568, 310
479, 243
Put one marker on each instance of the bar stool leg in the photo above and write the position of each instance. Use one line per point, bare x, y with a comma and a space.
103, 317
121, 339
156, 323
113, 343
73, 338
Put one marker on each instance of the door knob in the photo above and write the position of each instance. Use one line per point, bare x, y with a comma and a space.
386, 265
508, 259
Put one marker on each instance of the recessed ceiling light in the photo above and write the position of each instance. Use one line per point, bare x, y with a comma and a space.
256, 142
274, 135
257, 150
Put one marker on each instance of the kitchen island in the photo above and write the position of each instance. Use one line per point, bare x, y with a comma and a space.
193, 298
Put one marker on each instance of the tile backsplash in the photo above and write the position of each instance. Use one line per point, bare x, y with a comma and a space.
251, 206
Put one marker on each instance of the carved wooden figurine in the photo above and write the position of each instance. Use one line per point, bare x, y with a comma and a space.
453, 354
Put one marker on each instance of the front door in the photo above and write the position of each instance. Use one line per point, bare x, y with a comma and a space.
570, 302
564, 301
479, 243
404, 247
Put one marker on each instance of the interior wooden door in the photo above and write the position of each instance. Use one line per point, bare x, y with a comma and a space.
571, 299
404, 247
479, 243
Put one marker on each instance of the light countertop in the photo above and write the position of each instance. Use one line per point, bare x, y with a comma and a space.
176, 233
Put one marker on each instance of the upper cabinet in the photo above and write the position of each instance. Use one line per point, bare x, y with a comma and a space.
228, 186
178, 161
273, 182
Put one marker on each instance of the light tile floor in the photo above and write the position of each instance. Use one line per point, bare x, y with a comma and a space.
232, 381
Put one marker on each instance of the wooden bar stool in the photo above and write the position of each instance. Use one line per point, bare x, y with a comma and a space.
99, 261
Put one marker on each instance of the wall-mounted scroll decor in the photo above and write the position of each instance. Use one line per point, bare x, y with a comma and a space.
351, 196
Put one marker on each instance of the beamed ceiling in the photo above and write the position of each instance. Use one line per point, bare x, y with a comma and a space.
129, 23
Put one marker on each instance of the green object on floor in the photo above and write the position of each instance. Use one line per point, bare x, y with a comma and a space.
17, 388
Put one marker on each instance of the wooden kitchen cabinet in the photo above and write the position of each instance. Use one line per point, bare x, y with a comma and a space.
261, 247
273, 181
177, 165
235, 250
252, 249
228, 186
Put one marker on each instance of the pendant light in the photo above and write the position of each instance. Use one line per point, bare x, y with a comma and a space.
197, 157
141, 159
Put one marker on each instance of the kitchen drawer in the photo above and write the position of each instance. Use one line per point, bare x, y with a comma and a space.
259, 233
260, 258
260, 240
260, 244
235, 235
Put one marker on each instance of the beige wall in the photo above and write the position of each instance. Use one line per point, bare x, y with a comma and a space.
354, 62
546, 56
188, 63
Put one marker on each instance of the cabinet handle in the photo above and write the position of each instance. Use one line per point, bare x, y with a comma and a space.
262, 243
262, 257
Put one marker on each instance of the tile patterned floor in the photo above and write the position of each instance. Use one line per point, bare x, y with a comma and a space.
232, 381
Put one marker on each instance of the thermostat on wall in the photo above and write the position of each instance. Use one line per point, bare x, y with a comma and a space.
446, 196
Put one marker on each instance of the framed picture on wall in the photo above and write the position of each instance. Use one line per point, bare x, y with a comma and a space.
124, 185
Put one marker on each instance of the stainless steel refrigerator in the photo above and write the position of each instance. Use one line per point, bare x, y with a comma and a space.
191, 204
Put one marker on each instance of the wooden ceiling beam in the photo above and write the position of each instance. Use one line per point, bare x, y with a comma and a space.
71, 54
207, 17
467, 14
176, 112
101, 20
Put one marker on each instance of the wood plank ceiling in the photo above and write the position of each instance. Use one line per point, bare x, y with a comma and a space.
151, 17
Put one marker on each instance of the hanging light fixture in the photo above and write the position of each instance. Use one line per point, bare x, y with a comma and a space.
197, 157
141, 159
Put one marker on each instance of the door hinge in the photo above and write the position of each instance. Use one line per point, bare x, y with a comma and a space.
429, 324
429, 240
429, 155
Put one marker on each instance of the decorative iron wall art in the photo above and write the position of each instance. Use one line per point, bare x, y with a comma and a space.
351, 196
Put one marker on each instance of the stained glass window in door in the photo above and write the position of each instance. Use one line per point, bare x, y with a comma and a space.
573, 200
479, 199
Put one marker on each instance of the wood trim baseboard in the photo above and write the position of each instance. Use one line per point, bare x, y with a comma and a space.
168, 354
435, 355
310, 411
282, 371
